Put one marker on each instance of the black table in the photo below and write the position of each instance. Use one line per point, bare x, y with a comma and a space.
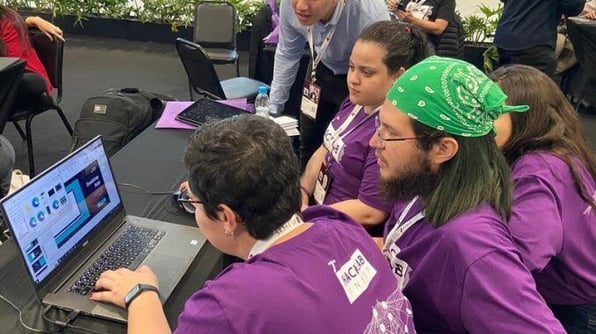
152, 160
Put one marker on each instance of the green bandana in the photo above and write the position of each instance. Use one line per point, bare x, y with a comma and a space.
450, 95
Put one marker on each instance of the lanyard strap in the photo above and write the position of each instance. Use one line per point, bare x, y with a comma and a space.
334, 134
323, 48
400, 226
261, 245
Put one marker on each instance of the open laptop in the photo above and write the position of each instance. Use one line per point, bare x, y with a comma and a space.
69, 223
205, 110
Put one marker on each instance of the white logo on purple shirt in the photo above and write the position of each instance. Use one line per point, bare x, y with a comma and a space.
355, 275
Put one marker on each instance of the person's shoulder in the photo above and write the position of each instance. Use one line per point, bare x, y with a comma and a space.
540, 164
327, 214
375, 10
476, 232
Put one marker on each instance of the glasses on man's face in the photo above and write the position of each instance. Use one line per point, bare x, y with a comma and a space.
186, 203
382, 140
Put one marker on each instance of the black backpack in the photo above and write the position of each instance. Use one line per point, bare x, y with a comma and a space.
118, 115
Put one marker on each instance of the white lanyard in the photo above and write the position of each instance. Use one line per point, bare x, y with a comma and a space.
323, 48
334, 134
400, 226
261, 245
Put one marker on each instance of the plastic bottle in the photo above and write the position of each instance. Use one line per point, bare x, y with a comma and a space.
262, 102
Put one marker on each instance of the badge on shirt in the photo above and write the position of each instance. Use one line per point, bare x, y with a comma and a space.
355, 275
401, 270
310, 99
419, 10
322, 184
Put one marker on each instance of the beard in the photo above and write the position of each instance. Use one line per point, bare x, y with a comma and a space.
415, 179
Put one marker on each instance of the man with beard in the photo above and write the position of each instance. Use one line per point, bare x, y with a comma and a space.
447, 241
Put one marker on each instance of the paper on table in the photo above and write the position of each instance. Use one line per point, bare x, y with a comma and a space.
173, 108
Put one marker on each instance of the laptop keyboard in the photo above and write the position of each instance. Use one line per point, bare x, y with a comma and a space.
129, 250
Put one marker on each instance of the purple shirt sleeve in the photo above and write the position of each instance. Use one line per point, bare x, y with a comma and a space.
500, 297
203, 313
536, 208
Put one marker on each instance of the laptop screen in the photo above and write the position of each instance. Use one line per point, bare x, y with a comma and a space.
52, 214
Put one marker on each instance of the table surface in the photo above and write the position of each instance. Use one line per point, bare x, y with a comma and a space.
153, 160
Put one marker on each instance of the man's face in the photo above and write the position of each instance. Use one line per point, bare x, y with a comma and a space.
309, 12
405, 170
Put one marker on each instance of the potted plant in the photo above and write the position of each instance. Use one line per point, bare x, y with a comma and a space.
480, 30
154, 20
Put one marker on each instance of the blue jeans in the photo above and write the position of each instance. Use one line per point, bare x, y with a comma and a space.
576, 319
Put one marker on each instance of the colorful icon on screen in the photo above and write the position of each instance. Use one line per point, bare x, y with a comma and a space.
33, 222
35, 202
56, 204
41, 216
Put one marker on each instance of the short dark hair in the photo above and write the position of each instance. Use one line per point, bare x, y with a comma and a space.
246, 162
551, 124
477, 174
404, 44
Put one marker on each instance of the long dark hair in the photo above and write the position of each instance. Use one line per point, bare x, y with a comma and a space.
477, 174
8, 14
551, 125
404, 44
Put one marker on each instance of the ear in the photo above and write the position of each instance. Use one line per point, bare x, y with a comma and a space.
398, 73
228, 217
445, 149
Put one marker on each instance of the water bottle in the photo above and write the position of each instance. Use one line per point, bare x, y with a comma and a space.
262, 102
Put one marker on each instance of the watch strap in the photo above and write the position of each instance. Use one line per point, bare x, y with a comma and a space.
136, 291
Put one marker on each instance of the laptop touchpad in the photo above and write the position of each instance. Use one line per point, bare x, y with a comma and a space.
167, 268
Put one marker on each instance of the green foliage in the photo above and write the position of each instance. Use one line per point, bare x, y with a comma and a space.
479, 28
175, 12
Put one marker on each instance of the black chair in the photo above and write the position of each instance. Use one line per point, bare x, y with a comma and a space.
215, 29
11, 72
50, 53
203, 79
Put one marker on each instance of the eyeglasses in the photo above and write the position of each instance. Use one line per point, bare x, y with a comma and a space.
383, 140
186, 203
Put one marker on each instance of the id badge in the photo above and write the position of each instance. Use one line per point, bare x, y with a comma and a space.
322, 184
419, 11
310, 99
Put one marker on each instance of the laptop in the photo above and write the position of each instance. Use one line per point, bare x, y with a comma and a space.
205, 110
69, 225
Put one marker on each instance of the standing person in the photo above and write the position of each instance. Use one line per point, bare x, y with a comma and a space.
331, 28
527, 31
320, 273
14, 42
450, 246
553, 220
345, 161
438, 19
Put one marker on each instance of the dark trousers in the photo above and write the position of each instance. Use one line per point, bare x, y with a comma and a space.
540, 57
32, 85
334, 90
576, 319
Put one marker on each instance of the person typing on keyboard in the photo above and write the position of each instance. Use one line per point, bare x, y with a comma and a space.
315, 272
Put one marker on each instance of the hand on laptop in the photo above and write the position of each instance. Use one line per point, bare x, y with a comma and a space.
113, 285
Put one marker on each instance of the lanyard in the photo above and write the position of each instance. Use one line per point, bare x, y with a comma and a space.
261, 245
336, 134
400, 226
323, 48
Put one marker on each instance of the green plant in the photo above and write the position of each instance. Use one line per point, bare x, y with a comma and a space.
480, 28
175, 12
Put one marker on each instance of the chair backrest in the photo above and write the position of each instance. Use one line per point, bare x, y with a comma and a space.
11, 72
199, 69
215, 24
51, 54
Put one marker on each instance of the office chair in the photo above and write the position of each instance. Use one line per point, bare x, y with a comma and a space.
50, 53
215, 30
203, 79
11, 73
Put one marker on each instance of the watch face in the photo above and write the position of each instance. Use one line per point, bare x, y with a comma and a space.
132, 294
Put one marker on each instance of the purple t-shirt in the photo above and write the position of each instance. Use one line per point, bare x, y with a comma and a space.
467, 276
332, 278
554, 228
353, 168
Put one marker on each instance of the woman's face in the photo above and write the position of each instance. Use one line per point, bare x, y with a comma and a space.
503, 127
368, 77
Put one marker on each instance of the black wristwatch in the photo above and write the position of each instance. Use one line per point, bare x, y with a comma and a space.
136, 291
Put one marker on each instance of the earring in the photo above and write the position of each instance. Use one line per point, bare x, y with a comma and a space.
229, 233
